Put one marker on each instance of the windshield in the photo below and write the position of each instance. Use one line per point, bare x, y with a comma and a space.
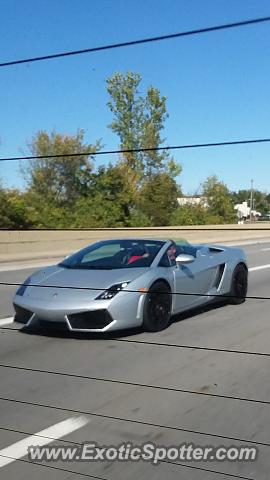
112, 254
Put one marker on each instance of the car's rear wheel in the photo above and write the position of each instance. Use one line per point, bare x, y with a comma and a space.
239, 285
157, 307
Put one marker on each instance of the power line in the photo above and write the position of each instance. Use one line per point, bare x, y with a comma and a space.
188, 347
140, 150
197, 228
128, 420
183, 465
45, 465
225, 474
60, 440
136, 384
161, 461
171, 36
108, 337
144, 292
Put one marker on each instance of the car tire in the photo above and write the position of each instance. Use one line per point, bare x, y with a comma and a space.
157, 307
239, 285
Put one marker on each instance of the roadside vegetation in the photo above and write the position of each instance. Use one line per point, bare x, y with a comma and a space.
137, 189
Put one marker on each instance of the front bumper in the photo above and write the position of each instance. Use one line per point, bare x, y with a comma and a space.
99, 316
89, 321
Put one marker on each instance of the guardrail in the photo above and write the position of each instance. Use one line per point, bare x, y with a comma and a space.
27, 244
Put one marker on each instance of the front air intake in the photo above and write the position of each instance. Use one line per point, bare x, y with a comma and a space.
94, 319
21, 314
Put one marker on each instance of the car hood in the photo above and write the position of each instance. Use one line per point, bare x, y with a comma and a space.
57, 277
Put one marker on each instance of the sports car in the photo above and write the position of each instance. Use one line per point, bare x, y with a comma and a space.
124, 283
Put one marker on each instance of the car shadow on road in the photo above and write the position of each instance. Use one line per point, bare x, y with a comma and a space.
63, 332
195, 312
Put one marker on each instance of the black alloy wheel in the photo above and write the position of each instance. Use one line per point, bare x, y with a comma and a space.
157, 307
239, 285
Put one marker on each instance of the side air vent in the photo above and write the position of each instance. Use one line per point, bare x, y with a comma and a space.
215, 250
219, 274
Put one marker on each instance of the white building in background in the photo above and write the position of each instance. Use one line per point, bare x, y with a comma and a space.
243, 211
195, 200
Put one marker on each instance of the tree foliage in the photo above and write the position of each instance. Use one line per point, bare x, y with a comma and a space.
60, 180
189, 215
138, 120
109, 199
14, 212
139, 189
219, 200
158, 198
261, 200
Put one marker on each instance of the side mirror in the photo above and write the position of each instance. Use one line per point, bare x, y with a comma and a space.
184, 259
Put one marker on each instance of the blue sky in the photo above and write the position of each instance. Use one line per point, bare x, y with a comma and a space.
217, 84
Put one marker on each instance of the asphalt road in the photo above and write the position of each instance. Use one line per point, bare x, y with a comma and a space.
231, 399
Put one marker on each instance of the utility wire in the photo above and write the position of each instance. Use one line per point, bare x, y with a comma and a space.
189, 347
144, 423
184, 465
201, 228
171, 36
144, 292
138, 150
60, 440
134, 422
136, 384
231, 475
45, 465
108, 337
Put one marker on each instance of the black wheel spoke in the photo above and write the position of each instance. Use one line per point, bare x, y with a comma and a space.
239, 284
158, 308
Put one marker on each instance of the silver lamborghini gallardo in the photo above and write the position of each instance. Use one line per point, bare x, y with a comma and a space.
123, 283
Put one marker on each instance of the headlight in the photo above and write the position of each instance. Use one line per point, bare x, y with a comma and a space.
112, 291
23, 287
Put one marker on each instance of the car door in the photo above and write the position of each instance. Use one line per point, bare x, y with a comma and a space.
194, 280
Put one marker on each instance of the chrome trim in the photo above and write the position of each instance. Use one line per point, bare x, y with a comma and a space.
30, 320
140, 306
222, 278
88, 329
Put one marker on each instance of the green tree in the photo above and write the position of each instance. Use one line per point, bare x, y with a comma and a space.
158, 198
219, 200
240, 196
261, 200
155, 114
139, 120
189, 215
59, 181
127, 108
108, 201
14, 212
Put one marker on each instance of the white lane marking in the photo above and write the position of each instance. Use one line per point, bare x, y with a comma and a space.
260, 267
265, 249
20, 449
6, 321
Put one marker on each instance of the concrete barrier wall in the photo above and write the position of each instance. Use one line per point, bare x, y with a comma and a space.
49, 243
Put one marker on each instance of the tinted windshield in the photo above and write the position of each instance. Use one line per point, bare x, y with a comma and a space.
112, 254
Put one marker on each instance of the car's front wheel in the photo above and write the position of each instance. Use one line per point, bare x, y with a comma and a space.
239, 285
157, 307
